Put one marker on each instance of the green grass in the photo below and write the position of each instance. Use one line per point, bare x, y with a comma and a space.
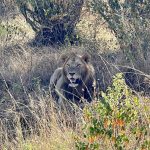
3, 30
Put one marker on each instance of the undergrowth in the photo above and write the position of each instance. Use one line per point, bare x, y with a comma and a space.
118, 121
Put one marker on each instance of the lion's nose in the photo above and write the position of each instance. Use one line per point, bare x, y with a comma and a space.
71, 73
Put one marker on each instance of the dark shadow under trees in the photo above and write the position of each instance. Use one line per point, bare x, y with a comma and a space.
53, 21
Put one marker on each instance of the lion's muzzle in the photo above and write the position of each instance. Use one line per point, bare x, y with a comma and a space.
74, 79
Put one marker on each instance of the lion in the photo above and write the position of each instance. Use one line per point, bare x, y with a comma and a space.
75, 80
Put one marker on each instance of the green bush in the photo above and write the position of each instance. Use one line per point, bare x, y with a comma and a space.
53, 21
129, 21
114, 122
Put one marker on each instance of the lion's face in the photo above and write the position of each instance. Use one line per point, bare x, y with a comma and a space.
75, 68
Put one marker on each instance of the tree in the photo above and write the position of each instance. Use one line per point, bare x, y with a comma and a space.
130, 22
52, 20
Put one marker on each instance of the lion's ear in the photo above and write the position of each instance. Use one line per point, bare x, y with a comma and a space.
86, 57
63, 57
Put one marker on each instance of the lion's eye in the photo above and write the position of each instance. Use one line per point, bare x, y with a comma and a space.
68, 65
78, 65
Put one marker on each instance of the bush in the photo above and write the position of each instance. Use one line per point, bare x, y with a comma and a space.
115, 122
53, 21
129, 21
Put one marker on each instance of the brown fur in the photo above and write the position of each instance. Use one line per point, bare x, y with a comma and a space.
74, 80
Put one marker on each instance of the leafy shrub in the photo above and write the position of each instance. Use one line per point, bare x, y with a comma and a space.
53, 21
129, 20
115, 122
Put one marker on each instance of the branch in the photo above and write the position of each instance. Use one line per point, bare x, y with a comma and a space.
102, 9
25, 11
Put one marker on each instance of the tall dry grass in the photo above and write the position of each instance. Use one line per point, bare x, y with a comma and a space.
30, 119
47, 127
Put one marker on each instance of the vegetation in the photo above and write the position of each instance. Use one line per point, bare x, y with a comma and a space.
115, 122
53, 21
34, 33
129, 20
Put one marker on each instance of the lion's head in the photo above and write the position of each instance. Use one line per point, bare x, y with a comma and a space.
75, 68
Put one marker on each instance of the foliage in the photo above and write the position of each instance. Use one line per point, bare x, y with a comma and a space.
115, 122
53, 21
129, 20
2, 30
